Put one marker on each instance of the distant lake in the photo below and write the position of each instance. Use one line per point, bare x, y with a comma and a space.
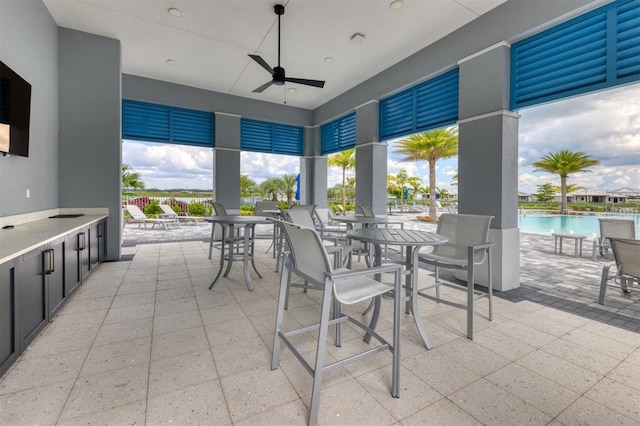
585, 225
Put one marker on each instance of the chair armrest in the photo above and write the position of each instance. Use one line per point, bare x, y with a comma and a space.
369, 271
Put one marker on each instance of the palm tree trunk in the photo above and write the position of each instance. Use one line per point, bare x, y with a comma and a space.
563, 194
432, 191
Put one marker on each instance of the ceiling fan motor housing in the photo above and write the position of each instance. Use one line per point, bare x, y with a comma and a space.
278, 76
279, 9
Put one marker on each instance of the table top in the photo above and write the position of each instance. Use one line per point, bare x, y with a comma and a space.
403, 237
361, 219
238, 220
569, 235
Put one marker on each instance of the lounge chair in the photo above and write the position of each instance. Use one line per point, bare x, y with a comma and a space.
626, 254
468, 247
612, 228
169, 213
137, 216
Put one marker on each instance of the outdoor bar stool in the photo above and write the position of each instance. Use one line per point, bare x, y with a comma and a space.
308, 259
236, 241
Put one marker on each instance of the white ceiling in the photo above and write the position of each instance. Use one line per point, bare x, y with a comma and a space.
212, 38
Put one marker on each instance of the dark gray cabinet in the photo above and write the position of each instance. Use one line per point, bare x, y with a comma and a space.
72, 274
8, 299
41, 288
32, 296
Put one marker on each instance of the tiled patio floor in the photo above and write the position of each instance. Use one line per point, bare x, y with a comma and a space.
145, 342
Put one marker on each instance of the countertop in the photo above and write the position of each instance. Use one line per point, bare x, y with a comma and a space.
28, 236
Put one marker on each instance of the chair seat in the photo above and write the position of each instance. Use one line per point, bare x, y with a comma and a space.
356, 289
454, 261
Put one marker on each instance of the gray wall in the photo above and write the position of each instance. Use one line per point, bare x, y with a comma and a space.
90, 153
161, 92
29, 46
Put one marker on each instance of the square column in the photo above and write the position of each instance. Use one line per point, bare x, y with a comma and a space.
371, 160
226, 162
488, 157
313, 170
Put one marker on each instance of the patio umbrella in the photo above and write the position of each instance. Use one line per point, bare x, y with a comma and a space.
298, 187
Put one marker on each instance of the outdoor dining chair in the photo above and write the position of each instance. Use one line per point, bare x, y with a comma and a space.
612, 228
308, 259
468, 246
233, 239
626, 254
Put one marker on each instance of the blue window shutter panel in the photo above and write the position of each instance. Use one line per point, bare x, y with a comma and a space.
339, 134
428, 105
262, 136
145, 122
594, 51
192, 127
149, 122
287, 139
255, 135
397, 114
628, 39
437, 102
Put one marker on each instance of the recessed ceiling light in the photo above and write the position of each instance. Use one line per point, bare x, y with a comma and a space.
174, 11
396, 4
292, 90
329, 59
172, 62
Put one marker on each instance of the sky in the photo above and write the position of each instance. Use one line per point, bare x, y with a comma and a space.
604, 125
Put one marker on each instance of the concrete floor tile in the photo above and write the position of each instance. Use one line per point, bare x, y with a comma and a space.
492, 405
580, 355
37, 406
293, 413
170, 374
241, 356
616, 396
178, 342
251, 392
124, 415
175, 322
231, 332
586, 411
123, 331
115, 356
443, 412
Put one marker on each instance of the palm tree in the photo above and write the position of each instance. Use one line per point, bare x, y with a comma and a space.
270, 188
288, 187
346, 160
131, 179
430, 146
564, 163
399, 182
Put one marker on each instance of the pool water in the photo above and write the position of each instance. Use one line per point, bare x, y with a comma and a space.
585, 225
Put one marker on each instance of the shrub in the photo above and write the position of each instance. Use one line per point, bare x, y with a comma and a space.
282, 205
197, 209
153, 208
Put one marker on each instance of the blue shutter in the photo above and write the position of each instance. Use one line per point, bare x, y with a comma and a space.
262, 136
287, 139
426, 106
160, 123
597, 50
338, 135
628, 39
437, 102
255, 135
146, 122
192, 127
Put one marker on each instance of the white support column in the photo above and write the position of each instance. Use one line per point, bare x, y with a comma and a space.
226, 162
371, 160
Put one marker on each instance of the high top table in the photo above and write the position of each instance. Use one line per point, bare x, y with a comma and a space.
233, 242
412, 241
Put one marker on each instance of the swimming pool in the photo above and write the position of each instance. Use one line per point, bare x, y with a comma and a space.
585, 225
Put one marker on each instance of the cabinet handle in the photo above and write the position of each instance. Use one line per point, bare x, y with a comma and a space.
49, 254
82, 240
99, 230
53, 260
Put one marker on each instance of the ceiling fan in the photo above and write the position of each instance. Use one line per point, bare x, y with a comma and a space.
278, 74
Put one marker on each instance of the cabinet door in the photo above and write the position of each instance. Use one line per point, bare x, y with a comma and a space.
8, 335
32, 296
94, 253
72, 273
54, 271
102, 241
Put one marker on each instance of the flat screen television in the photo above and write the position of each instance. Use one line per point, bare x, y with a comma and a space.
15, 111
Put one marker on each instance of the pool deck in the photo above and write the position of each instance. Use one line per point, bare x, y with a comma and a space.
563, 282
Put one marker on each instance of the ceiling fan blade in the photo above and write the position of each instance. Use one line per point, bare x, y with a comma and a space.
262, 62
315, 83
264, 86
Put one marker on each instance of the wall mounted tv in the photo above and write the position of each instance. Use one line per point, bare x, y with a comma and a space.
15, 110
